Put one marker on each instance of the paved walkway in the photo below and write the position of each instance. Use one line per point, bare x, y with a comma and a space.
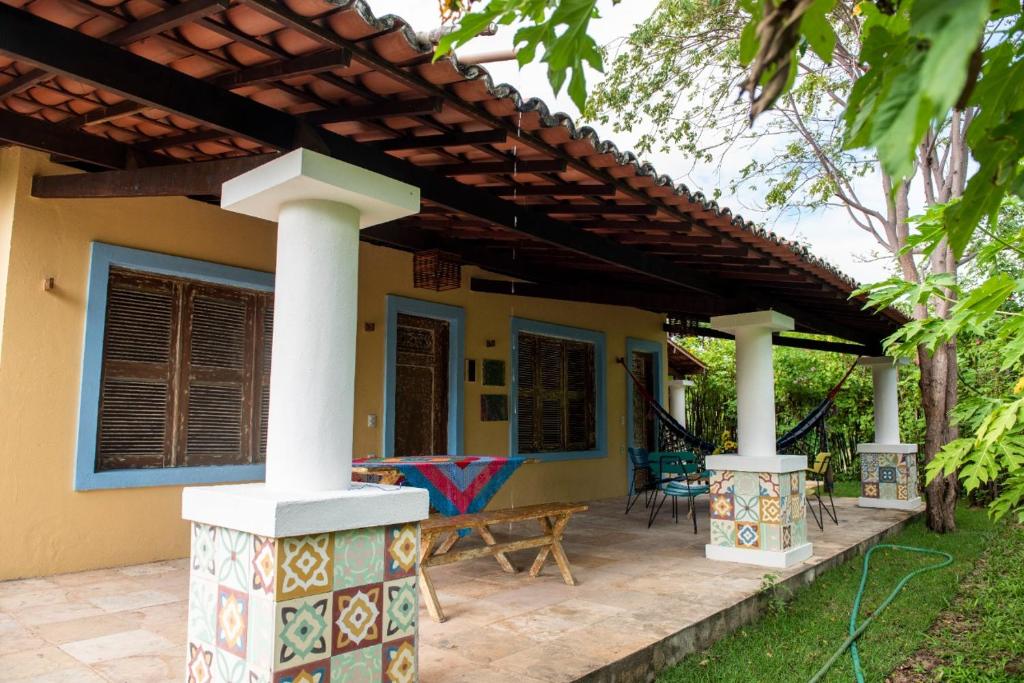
636, 587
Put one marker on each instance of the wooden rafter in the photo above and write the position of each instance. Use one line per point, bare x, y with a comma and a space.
778, 340
289, 68
37, 134
376, 110
203, 178
444, 140
150, 84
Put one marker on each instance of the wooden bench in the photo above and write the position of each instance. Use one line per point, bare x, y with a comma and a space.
438, 535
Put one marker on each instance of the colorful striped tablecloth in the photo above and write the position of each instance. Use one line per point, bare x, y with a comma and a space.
457, 484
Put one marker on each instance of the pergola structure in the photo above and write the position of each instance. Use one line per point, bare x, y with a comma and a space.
341, 126
179, 98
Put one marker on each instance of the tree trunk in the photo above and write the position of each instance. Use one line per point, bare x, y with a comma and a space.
938, 395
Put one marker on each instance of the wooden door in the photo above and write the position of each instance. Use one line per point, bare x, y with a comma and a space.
421, 386
643, 417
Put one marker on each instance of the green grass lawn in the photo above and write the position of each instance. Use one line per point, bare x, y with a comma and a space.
792, 644
981, 637
846, 489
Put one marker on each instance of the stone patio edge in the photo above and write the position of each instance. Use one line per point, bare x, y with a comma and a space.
643, 665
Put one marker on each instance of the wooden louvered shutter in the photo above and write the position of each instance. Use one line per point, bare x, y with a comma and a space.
216, 408
526, 402
261, 397
136, 398
551, 358
579, 397
557, 398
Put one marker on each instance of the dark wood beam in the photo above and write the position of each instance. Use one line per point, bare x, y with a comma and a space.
173, 16
23, 82
683, 240
615, 295
202, 178
103, 114
611, 225
75, 55
37, 134
777, 340
366, 55
192, 137
481, 137
488, 167
610, 209
87, 59
130, 33
559, 190
289, 68
376, 110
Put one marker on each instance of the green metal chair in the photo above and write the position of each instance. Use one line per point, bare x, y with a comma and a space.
692, 482
648, 473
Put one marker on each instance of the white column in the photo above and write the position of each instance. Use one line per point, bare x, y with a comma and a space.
885, 378
755, 378
677, 399
756, 477
308, 505
888, 468
319, 204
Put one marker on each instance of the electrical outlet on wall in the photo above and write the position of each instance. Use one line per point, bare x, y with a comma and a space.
371, 420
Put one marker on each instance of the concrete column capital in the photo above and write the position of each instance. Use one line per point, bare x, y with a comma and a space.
306, 175
764, 320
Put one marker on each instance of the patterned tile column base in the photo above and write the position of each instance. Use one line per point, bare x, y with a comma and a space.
303, 608
888, 476
758, 511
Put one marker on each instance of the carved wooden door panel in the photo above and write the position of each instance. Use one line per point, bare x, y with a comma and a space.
421, 386
643, 416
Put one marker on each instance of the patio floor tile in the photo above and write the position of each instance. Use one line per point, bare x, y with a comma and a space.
636, 587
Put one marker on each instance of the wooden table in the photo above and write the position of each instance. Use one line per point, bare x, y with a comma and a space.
438, 535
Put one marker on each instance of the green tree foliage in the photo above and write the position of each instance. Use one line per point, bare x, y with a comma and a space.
987, 316
558, 27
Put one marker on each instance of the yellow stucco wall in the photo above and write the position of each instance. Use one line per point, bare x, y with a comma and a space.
48, 528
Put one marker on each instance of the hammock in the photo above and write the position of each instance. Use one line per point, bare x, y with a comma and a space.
681, 435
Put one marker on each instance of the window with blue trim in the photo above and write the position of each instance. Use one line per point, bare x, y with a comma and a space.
558, 390
177, 371
186, 373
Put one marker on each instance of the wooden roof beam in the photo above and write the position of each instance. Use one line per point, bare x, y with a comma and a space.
492, 167
173, 16
92, 61
777, 340
103, 114
481, 137
189, 138
37, 134
375, 110
554, 190
598, 209
612, 295
203, 178
289, 68
130, 33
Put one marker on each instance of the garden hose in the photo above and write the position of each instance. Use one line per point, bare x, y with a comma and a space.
856, 631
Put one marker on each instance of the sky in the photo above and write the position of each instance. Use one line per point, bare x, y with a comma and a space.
829, 232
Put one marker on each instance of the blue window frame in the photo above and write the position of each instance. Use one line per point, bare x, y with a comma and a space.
456, 318
657, 350
103, 258
519, 325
